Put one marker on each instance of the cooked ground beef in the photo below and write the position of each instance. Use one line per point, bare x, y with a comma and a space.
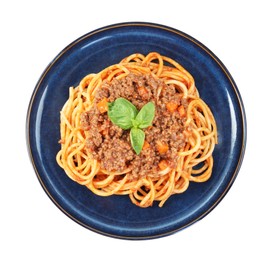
110, 144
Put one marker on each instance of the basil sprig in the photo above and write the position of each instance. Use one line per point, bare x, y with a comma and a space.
124, 114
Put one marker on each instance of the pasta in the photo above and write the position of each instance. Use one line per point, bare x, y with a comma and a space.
172, 170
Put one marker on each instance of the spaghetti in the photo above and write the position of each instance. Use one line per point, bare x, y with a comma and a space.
178, 145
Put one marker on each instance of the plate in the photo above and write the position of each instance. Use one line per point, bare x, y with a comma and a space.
116, 216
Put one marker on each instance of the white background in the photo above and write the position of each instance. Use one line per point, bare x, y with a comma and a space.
240, 33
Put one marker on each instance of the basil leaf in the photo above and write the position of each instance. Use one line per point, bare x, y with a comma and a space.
121, 112
137, 139
145, 116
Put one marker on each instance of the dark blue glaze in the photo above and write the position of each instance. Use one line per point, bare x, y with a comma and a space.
116, 216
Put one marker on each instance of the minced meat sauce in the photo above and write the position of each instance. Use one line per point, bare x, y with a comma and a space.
111, 145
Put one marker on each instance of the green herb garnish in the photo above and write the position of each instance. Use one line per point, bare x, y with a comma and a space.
137, 139
125, 115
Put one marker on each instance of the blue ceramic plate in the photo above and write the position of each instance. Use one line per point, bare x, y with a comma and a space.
116, 216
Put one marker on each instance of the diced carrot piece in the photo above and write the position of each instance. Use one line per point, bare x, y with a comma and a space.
182, 111
146, 145
163, 164
162, 147
171, 106
104, 132
142, 91
103, 105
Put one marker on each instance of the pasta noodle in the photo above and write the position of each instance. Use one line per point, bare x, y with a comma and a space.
194, 158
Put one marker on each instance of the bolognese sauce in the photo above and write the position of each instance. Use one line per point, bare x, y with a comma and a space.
110, 145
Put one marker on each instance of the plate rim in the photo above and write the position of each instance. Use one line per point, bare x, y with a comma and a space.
181, 34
